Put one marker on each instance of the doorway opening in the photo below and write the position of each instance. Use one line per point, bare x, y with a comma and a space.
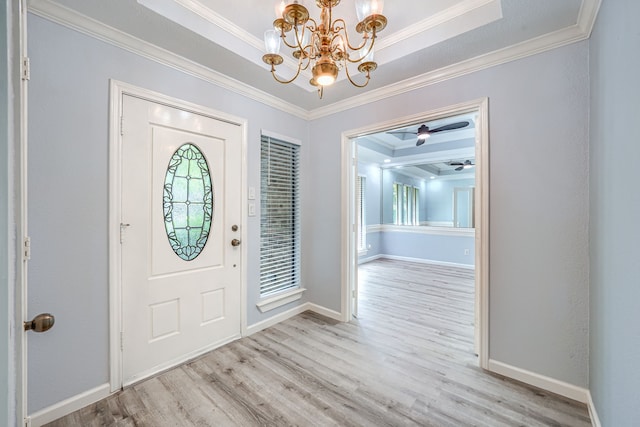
416, 189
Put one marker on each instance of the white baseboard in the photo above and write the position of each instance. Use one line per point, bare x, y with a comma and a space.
69, 405
369, 259
281, 317
323, 311
546, 383
428, 261
595, 421
257, 327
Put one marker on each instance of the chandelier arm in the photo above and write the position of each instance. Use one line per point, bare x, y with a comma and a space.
352, 81
343, 28
273, 73
354, 61
298, 38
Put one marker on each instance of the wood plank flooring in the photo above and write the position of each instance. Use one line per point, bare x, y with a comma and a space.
406, 361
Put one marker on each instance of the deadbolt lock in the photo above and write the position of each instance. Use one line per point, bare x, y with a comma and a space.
234, 227
41, 323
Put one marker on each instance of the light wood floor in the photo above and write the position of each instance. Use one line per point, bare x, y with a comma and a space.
407, 360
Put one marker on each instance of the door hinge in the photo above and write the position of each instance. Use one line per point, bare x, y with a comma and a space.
121, 341
26, 68
121, 125
27, 422
27, 248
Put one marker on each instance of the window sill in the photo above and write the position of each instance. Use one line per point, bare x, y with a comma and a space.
271, 303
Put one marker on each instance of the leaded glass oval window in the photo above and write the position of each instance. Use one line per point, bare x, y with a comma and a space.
188, 202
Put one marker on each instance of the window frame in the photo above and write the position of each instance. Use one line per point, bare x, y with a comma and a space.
282, 293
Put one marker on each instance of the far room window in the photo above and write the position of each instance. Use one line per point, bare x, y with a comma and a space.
279, 216
361, 185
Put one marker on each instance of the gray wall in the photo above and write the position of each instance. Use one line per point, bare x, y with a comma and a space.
68, 173
538, 257
431, 247
614, 212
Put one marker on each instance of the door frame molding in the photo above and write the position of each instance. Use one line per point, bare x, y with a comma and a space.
118, 90
349, 257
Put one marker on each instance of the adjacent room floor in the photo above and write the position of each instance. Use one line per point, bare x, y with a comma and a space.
407, 360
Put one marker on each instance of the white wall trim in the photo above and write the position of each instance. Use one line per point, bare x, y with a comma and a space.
274, 320
424, 229
323, 311
271, 303
427, 261
374, 228
593, 414
76, 21
546, 383
369, 259
521, 50
481, 243
71, 19
281, 317
69, 405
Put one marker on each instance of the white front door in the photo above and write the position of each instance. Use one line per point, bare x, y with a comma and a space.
181, 210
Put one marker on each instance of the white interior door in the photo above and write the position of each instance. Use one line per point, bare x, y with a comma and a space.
181, 210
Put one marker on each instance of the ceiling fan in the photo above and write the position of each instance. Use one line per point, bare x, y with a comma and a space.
466, 165
424, 132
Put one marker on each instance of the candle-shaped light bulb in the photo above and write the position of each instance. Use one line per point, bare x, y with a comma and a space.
272, 41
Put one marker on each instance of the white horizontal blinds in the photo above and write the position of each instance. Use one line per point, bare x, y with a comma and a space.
279, 216
361, 185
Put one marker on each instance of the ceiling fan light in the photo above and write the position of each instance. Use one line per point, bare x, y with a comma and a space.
423, 136
467, 166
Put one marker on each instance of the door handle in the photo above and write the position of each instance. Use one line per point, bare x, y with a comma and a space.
235, 242
41, 323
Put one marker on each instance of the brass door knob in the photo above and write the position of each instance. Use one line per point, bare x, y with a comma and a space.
235, 242
41, 323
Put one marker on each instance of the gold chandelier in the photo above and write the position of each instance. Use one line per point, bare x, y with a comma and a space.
324, 46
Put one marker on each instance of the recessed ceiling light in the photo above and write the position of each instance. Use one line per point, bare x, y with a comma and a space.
432, 177
387, 160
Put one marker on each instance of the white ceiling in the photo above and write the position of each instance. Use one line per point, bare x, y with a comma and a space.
423, 38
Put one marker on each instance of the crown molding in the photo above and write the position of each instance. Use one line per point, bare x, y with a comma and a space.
587, 15
81, 23
431, 22
71, 19
550, 41
216, 28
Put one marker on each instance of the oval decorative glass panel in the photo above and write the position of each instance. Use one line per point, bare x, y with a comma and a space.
188, 202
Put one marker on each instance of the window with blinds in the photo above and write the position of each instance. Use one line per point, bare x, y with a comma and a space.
361, 185
279, 216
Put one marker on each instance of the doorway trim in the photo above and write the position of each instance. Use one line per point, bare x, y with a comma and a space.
117, 91
349, 265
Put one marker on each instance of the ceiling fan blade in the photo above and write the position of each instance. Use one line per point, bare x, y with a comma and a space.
459, 168
401, 131
420, 142
456, 164
452, 126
